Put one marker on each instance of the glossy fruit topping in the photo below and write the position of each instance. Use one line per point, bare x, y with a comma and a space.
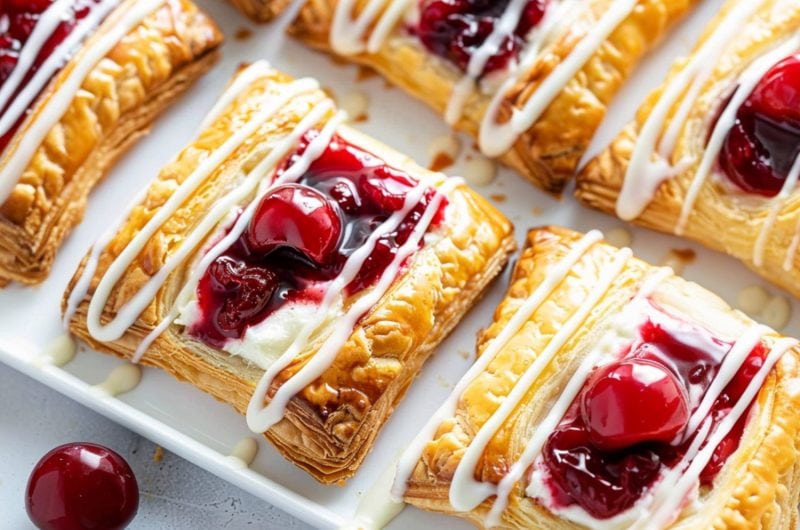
82, 486
455, 29
18, 18
302, 234
614, 403
296, 217
761, 148
629, 422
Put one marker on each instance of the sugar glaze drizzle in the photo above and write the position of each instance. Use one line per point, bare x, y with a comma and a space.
348, 36
18, 155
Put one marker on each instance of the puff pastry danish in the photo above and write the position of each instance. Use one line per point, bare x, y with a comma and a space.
612, 394
530, 79
261, 10
713, 153
293, 268
80, 81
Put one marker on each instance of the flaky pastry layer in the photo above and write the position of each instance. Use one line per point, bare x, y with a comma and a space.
549, 152
721, 219
386, 349
261, 10
758, 486
117, 104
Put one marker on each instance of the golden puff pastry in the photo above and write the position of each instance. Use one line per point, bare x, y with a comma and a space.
609, 393
262, 10
537, 103
712, 153
66, 117
293, 268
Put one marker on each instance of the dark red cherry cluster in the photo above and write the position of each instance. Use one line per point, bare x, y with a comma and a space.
454, 29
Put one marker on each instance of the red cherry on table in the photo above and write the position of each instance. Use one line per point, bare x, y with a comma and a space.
634, 401
82, 486
298, 217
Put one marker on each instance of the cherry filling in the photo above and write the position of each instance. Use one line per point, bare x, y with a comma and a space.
455, 29
760, 149
629, 421
18, 18
301, 235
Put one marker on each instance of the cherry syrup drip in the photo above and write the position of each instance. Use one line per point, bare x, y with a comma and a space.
302, 234
760, 149
621, 431
18, 18
455, 29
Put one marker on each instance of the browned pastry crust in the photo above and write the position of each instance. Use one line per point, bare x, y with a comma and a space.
758, 486
119, 100
329, 427
720, 219
549, 152
262, 10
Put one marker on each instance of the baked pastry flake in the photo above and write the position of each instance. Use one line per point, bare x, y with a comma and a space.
262, 10
532, 95
713, 153
609, 393
293, 268
80, 81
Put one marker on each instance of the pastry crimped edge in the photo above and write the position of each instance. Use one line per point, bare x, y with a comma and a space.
440, 284
261, 10
721, 219
548, 153
759, 485
31, 233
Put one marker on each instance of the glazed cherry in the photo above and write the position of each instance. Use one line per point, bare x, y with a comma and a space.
634, 401
82, 486
455, 29
763, 143
298, 217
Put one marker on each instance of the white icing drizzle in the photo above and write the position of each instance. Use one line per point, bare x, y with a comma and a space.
775, 207
224, 206
244, 452
496, 139
347, 35
60, 350
376, 508
45, 28
261, 417
17, 159
408, 460
121, 380
644, 174
128, 314
465, 491
670, 494
747, 83
534, 445
243, 81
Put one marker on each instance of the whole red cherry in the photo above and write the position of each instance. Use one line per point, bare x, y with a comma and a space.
82, 486
634, 401
299, 217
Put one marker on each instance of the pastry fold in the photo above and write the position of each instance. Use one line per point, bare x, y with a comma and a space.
548, 152
262, 10
758, 486
329, 427
117, 103
760, 232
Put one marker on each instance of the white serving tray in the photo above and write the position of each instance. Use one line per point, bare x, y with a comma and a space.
193, 425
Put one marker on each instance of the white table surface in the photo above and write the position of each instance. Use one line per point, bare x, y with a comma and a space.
175, 494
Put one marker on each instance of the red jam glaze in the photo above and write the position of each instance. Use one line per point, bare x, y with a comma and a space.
760, 149
454, 29
18, 18
607, 476
301, 236
82, 486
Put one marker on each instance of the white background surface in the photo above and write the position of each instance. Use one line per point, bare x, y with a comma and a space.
176, 494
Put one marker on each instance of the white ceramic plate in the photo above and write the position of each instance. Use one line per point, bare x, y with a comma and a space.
193, 425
